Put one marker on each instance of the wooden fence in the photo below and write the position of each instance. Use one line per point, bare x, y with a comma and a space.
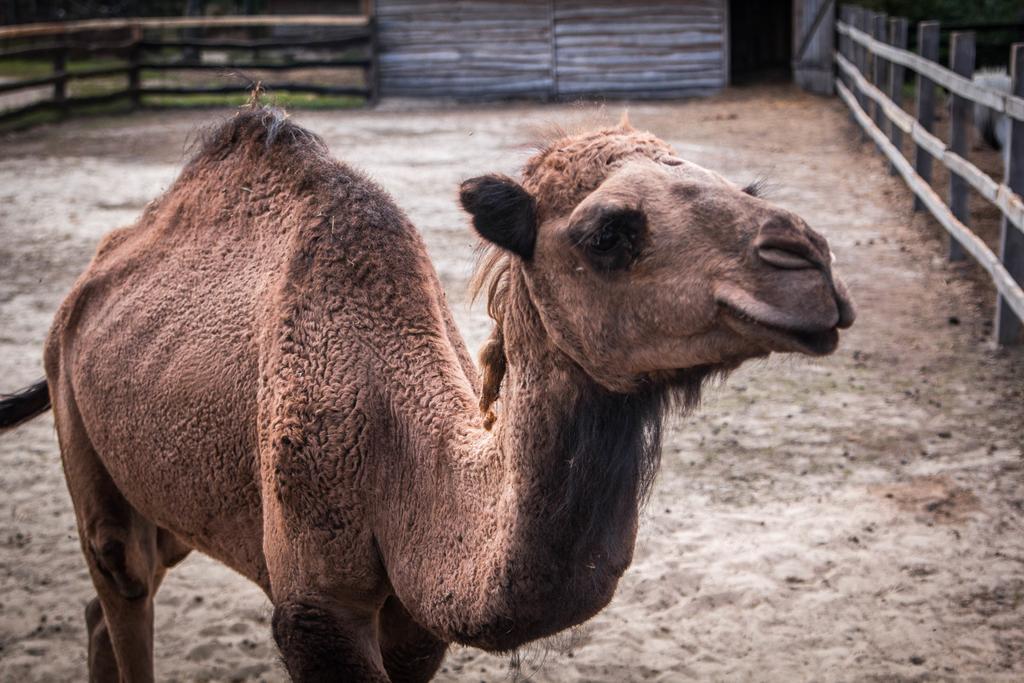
872, 57
141, 46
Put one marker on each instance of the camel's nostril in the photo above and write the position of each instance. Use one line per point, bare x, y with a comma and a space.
785, 258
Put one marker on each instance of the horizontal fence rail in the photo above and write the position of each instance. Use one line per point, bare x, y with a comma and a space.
354, 48
67, 27
48, 49
1004, 104
1008, 201
870, 60
1005, 283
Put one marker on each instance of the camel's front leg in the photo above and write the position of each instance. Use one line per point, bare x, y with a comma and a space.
326, 578
325, 627
322, 642
411, 653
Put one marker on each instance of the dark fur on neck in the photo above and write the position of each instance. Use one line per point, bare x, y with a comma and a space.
612, 445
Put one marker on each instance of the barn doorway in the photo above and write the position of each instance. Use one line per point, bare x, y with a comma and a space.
760, 41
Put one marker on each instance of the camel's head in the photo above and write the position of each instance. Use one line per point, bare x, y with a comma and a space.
642, 265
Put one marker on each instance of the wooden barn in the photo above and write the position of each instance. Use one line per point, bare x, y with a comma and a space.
566, 49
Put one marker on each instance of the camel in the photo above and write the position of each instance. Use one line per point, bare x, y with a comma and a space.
264, 368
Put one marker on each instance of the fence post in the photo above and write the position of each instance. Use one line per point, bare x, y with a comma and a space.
851, 50
373, 73
852, 16
134, 67
860, 18
868, 26
844, 16
1011, 250
879, 32
897, 38
928, 48
191, 54
60, 68
961, 61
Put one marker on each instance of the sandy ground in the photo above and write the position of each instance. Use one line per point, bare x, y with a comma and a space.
859, 517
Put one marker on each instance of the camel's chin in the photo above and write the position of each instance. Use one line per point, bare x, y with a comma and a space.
690, 380
779, 339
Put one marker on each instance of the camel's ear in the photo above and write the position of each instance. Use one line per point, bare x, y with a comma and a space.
503, 212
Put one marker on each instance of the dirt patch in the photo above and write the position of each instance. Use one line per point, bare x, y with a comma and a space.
933, 498
769, 550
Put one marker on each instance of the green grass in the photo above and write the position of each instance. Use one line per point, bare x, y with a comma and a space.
37, 68
96, 87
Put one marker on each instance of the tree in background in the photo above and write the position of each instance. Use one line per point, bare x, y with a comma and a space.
24, 11
952, 11
993, 45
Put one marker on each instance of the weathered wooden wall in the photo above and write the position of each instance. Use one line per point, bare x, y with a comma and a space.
465, 48
552, 48
648, 48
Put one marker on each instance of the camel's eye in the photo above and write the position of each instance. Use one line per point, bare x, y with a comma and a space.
612, 241
605, 240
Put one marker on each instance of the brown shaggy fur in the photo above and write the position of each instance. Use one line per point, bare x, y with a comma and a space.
264, 368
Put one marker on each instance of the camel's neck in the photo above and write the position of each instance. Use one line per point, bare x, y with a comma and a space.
589, 453
524, 530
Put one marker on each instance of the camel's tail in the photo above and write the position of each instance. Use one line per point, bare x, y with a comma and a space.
24, 404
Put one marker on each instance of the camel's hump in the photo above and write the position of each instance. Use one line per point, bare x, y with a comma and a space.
260, 172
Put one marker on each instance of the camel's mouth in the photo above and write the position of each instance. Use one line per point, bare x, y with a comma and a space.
811, 342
